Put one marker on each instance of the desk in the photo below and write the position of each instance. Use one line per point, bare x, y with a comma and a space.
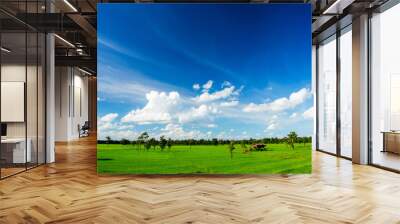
391, 141
13, 150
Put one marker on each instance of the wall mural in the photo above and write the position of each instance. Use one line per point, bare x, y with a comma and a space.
204, 88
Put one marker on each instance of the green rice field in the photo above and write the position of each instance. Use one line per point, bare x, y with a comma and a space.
203, 159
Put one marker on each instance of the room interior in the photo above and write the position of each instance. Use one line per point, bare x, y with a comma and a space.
50, 83
22, 102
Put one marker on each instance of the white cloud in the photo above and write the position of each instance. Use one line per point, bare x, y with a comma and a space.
309, 113
211, 125
108, 117
157, 110
175, 131
229, 103
271, 126
130, 85
207, 86
196, 86
222, 94
108, 126
124, 50
197, 113
280, 104
222, 135
293, 115
117, 134
273, 123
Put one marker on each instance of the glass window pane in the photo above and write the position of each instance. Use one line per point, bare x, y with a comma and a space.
31, 97
385, 93
327, 96
14, 153
346, 94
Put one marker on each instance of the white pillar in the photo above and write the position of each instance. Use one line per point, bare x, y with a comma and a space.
50, 99
360, 90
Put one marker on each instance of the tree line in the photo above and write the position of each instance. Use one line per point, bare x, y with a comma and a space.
144, 140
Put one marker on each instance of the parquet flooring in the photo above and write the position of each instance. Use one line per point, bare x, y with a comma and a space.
70, 191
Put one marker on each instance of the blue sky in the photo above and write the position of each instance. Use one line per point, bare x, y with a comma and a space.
204, 70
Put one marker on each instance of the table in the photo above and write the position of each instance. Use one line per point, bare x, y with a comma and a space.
391, 141
13, 150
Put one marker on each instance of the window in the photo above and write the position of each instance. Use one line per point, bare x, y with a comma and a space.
327, 95
346, 92
385, 89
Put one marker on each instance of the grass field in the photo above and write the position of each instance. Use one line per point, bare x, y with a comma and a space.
207, 159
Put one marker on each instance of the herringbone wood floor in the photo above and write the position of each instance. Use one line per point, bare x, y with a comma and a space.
70, 191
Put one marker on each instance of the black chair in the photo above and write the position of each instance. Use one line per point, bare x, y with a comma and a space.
84, 130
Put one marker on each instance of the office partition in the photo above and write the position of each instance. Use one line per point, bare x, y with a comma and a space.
22, 77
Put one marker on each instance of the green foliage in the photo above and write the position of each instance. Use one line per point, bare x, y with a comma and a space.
169, 143
291, 139
270, 140
147, 145
142, 138
243, 146
231, 147
124, 141
153, 143
215, 141
190, 143
163, 142
108, 139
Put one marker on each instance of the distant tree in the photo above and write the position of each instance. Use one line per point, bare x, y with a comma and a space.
124, 141
169, 143
303, 140
142, 138
215, 141
108, 139
153, 142
231, 147
243, 146
147, 145
252, 140
291, 139
163, 142
190, 142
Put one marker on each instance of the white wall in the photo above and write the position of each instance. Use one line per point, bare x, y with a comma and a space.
71, 103
17, 73
33, 126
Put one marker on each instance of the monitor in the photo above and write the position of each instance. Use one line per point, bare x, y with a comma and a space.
3, 129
